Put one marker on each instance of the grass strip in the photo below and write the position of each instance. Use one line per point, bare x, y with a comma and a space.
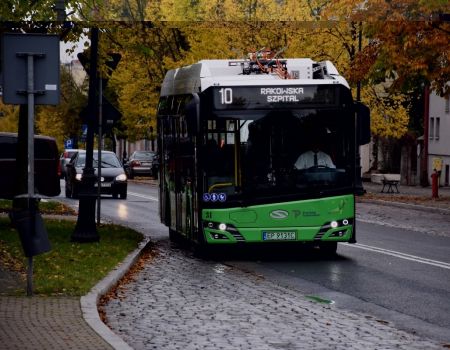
69, 268
45, 207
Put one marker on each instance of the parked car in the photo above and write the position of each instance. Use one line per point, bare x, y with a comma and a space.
46, 165
64, 159
113, 177
140, 163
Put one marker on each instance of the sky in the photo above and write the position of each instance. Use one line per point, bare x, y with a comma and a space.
64, 56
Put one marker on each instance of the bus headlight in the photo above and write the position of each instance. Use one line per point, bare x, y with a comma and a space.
222, 227
334, 224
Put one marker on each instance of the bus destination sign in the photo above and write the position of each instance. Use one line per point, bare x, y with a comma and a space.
258, 97
282, 94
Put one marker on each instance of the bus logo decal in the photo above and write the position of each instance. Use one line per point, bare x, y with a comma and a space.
214, 197
279, 214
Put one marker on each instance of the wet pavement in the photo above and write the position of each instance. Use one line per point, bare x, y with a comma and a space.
179, 302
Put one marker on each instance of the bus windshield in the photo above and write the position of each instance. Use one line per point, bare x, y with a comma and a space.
278, 152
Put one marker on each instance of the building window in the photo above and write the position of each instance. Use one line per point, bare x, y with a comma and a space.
438, 125
431, 128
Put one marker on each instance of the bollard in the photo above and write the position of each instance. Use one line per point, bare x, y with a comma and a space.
434, 185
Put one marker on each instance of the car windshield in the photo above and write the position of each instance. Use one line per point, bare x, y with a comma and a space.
143, 155
109, 160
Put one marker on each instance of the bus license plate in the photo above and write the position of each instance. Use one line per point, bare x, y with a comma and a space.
279, 235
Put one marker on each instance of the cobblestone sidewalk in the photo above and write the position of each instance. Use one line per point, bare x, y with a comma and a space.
191, 304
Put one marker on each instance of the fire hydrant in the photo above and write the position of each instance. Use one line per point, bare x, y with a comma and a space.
434, 184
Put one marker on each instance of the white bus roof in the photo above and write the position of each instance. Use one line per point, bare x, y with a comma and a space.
200, 76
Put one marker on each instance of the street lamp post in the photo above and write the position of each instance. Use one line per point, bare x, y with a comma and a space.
86, 229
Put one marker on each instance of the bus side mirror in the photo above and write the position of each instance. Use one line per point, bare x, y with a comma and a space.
192, 114
363, 123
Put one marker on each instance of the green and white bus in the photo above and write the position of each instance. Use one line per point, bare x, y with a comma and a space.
230, 133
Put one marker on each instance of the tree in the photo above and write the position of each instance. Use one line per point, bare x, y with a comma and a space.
408, 45
137, 79
150, 50
9, 117
63, 121
407, 41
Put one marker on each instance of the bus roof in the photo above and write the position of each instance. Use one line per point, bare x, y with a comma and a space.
200, 76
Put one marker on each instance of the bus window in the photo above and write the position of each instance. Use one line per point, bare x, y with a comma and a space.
220, 156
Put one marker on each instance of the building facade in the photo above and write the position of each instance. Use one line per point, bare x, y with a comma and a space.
439, 138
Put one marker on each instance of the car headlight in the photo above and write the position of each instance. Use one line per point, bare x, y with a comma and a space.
121, 177
78, 177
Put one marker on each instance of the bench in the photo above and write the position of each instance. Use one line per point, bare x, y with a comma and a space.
390, 182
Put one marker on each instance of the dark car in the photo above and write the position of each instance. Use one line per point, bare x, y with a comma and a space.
113, 177
64, 159
46, 165
141, 163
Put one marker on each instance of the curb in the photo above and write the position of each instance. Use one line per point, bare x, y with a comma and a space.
90, 301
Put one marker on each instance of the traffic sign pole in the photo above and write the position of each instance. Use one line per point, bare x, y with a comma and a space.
41, 69
30, 83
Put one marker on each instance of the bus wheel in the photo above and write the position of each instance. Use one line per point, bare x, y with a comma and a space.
328, 248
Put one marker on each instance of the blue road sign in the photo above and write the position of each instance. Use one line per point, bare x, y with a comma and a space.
68, 144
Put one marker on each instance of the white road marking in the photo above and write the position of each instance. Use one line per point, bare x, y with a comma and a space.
400, 255
143, 196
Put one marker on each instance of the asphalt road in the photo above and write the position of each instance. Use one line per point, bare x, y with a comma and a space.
399, 271
398, 275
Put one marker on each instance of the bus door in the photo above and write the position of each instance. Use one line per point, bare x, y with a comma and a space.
187, 179
185, 172
168, 172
